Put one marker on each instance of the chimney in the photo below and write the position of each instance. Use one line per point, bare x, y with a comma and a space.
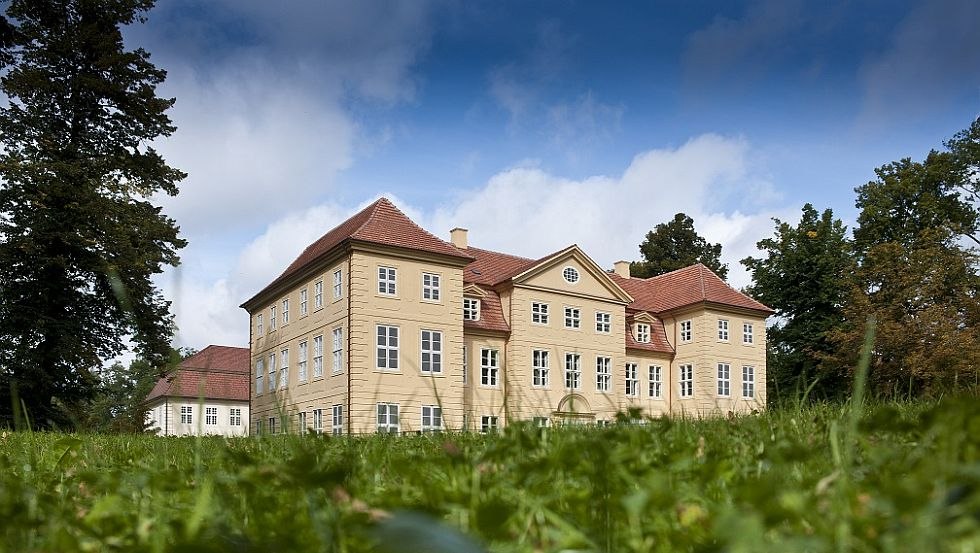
458, 237
622, 268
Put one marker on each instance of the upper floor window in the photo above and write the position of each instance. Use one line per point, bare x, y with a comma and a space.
318, 294
539, 313
471, 309
573, 317
430, 286
304, 353
747, 337
603, 374
338, 350
748, 382
259, 373
388, 418
723, 330
686, 380
338, 284
431, 418
431, 351
489, 367
573, 371
284, 368
632, 380
317, 356
539, 368
570, 274
387, 347
386, 280
272, 318
642, 333
258, 324
303, 303
686, 334
285, 311
603, 322
271, 382
656, 381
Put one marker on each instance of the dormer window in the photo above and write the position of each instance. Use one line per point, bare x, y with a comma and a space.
471, 309
570, 274
642, 333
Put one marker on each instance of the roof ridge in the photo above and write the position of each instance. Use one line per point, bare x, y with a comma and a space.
686, 267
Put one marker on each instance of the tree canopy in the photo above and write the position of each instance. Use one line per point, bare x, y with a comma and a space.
79, 236
675, 245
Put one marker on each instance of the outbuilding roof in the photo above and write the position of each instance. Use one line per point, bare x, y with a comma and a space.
216, 372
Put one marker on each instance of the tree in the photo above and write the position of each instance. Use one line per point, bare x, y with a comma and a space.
675, 245
119, 403
79, 236
804, 278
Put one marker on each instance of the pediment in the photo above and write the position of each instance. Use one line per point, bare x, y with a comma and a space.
591, 280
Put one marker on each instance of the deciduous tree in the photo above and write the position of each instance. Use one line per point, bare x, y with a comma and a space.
675, 245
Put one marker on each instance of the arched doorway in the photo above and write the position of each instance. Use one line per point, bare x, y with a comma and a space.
573, 409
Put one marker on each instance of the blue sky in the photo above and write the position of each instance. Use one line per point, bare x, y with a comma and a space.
535, 125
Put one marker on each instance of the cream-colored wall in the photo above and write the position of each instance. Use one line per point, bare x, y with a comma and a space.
647, 404
408, 386
480, 400
164, 418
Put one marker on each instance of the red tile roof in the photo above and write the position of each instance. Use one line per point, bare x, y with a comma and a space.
491, 268
379, 223
491, 314
688, 286
216, 372
658, 339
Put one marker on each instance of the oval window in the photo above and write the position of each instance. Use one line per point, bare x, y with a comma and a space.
570, 274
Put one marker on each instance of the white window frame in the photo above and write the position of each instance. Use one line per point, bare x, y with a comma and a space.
632, 380
643, 333
318, 294
573, 317
387, 352
489, 367
573, 371
271, 383
318, 356
685, 375
272, 425
260, 329
656, 373
318, 420
540, 370
284, 368
471, 309
431, 287
304, 295
337, 419
259, 376
272, 318
338, 284
722, 330
603, 322
748, 335
301, 361
539, 313
387, 281
301, 422
235, 416
431, 419
430, 342
386, 413
603, 374
686, 331
748, 382
186, 414
285, 311
571, 275
337, 340
488, 423
724, 374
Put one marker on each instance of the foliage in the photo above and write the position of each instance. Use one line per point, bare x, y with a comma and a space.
675, 245
902, 477
79, 237
119, 404
804, 278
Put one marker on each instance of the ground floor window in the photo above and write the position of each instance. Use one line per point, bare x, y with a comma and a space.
234, 416
186, 414
632, 380
488, 423
748, 382
302, 422
211, 416
431, 418
337, 428
318, 420
272, 425
388, 418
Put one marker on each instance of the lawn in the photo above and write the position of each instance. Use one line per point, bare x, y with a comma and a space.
899, 477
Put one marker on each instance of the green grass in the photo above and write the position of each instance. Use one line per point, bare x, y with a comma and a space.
901, 477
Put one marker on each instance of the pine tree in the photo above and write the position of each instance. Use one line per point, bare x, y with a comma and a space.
79, 236
675, 245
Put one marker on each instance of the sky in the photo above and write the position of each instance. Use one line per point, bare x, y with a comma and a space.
535, 125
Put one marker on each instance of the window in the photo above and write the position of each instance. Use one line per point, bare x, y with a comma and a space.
642, 333
302, 422
431, 418
488, 423
259, 372
303, 303
656, 381
539, 313
573, 371
235, 416
540, 422
748, 382
272, 425
304, 352
317, 356
258, 427
723, 330
186, 414
338, 284
338, 350
430, 287
284, 369
318, 420
489, 367
686, 333
572, 317
337, 428
687, 380
570, 274
271, 383
724, 380
747, 337
471, 309
603, 376
388, 347
386, 281
258, 324
465, 364
285, 312
388, 418
318, 294
431, 352
632, 380
272, 318
539, 368
603, 322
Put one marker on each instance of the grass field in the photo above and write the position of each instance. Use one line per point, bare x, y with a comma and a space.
898, 477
